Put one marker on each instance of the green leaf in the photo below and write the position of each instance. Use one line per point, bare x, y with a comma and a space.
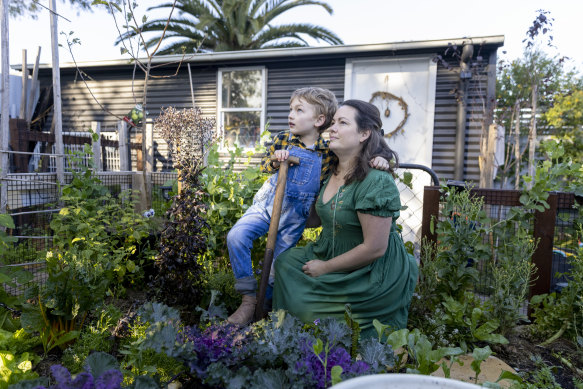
131, 266
508, 375
380, 327
481, 354
318, 347
100, 362
6, 221
335, 374
398, 339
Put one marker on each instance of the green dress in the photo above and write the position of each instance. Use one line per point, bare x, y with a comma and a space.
381, 290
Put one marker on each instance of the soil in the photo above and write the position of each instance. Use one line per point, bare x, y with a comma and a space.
521, 349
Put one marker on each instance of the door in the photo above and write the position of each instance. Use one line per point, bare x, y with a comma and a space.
403, 89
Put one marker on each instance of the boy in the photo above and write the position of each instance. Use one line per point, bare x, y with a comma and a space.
311, 112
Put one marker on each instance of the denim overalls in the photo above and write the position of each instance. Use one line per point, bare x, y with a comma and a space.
302, 187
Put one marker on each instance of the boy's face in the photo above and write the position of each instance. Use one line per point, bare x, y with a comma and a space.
302, 118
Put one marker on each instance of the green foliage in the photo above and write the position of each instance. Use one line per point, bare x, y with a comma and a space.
309, 235
89, 341
230, 194
99, 234
221, 280
561, 314
230, 25
566, 118
11, 276
460, 248
153, 346
422, 358
97, 247
15, 368
18, 342
511, 275
354, 329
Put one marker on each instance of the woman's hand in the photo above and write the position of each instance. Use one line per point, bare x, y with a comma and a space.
315, 268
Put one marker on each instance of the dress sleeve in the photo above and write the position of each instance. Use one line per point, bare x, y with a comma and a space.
378, 195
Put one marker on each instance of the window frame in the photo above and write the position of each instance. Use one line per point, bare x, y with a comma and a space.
221, 110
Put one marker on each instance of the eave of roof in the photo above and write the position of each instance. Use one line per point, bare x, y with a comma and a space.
233, 56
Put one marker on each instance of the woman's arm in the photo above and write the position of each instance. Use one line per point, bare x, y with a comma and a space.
375, 231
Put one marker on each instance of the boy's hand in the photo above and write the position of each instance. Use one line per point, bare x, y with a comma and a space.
281, 155
380, 163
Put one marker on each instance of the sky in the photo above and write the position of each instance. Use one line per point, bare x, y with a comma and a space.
354, 21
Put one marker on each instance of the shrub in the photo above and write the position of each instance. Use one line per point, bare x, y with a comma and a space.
183, 240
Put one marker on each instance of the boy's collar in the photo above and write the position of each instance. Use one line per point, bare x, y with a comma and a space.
319, 144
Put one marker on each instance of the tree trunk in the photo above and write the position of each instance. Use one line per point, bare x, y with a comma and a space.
148, 193
532, 135
517, 156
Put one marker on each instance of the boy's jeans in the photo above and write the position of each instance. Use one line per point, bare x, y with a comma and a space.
302, 187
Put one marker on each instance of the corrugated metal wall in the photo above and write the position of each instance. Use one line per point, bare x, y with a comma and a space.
445, 122
283, 80
113, 88
114, 91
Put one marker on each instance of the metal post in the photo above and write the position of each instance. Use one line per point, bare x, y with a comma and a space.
57, 118
149, 159
122, 139
23, 97
5, 119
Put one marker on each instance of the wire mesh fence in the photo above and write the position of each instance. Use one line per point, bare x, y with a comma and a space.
412, 200
554, 230
33, 199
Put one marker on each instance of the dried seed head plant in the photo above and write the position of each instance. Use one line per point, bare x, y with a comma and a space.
189, 136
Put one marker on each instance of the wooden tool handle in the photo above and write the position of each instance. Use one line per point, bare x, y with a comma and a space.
292, 160
272, 233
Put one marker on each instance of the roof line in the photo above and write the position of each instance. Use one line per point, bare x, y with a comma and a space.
494, 40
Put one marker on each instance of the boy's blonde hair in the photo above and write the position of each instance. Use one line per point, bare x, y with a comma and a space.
323, 100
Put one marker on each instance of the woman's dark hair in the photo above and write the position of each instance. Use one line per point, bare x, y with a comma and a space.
368, 117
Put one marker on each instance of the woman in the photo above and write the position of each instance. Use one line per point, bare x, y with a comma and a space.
359, 258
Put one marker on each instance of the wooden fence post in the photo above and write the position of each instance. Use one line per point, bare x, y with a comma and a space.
4, 114
96, 146
544, 231
431, 197
57, 107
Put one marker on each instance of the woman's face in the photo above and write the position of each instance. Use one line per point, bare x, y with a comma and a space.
344, 135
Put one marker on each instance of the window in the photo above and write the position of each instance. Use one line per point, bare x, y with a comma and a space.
241, 106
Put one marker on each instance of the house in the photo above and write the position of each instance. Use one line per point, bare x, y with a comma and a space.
431, 94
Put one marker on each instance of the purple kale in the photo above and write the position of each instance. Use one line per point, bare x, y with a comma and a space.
217, 343
111, 379
310, 365
61, 375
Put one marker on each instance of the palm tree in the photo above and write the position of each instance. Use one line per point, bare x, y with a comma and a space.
229, 25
